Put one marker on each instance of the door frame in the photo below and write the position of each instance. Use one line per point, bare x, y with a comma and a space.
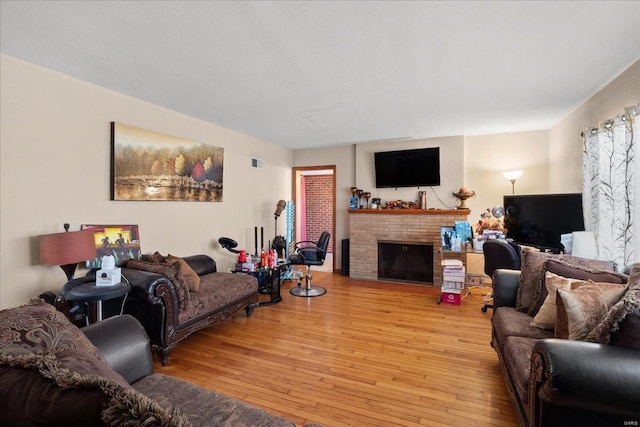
296, 171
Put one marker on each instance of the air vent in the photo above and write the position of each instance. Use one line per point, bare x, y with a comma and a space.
256, 163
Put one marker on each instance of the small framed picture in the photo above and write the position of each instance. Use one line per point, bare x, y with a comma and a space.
121, 241
446, 235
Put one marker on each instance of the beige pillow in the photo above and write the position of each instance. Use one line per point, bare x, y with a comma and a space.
580, 310
546, 317
190, 277
532, 275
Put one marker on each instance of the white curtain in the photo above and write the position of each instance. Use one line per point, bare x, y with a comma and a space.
609, 186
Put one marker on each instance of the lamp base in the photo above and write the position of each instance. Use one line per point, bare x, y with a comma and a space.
69, 270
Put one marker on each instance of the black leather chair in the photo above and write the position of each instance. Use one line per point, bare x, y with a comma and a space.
310, 253
500, 254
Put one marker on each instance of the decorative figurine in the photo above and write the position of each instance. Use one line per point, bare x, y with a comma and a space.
463, 194
353, 202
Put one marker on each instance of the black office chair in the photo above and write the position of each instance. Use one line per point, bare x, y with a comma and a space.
500, 254
310, 253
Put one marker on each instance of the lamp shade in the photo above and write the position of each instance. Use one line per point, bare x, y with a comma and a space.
67, 248
512, 175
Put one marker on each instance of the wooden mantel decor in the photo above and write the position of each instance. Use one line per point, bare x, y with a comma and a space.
411, 211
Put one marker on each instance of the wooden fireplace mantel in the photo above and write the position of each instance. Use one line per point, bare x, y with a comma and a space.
411, 211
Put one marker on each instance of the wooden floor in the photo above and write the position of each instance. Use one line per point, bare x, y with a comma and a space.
364, 354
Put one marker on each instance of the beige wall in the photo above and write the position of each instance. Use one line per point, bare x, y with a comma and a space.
54, 153
487, 156
565, 142
551, 159
451, 170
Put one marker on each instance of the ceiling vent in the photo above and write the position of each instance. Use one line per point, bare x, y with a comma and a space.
256, 163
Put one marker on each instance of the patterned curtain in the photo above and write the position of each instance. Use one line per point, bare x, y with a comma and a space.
609, 186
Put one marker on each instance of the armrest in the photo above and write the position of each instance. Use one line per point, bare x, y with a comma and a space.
582, 376
144, 283
201, 264
124, 344
505, 287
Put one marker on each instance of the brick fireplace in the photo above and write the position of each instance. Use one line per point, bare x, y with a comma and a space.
368, 227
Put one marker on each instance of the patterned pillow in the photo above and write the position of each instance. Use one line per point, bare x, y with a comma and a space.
580, 310
43, 391
532, 276
546, 316
38, 326
620, 323
187, 274
566, 269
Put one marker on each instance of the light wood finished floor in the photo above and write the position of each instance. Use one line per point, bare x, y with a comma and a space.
364, 354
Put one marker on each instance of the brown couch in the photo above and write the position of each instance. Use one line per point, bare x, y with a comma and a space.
174, 297
592, 379
54, 374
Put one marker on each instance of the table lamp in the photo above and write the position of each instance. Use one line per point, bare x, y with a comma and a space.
67, 249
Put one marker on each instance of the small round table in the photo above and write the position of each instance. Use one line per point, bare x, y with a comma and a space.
88, 292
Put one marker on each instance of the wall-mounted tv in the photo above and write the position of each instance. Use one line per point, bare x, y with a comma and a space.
407, 168
539, 220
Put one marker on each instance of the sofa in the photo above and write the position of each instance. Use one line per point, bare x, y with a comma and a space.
55, 374
173, 297
567, 334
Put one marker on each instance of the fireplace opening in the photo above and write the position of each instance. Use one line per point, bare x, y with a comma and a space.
407, 262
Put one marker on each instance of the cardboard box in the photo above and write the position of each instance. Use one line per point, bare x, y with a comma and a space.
451, 297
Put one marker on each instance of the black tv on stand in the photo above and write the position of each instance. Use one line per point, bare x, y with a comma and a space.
540, 219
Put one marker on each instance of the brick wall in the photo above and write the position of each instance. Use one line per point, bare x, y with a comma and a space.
368, 227
319, 206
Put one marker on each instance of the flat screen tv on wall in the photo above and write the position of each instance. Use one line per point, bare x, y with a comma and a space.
539, 220
407, 168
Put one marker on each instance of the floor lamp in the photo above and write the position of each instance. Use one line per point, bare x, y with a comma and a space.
512, 176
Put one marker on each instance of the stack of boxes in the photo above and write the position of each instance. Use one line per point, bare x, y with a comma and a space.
453, 277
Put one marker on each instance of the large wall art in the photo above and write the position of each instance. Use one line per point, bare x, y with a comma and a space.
148, 165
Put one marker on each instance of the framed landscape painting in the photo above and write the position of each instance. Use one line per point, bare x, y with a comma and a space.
121, 241
148, 165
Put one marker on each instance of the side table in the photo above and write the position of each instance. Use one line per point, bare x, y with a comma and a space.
84, 290
269, 280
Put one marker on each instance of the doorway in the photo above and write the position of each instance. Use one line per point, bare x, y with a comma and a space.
314, 197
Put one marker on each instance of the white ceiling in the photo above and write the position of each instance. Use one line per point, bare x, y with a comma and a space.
309, 74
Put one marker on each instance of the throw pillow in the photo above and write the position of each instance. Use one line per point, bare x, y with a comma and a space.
64, 397
190, 277
532, 276
580, 310
628, 332
38, 326
155, 258
623, 312
546, 316
170, 271
566, 269
84, 364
